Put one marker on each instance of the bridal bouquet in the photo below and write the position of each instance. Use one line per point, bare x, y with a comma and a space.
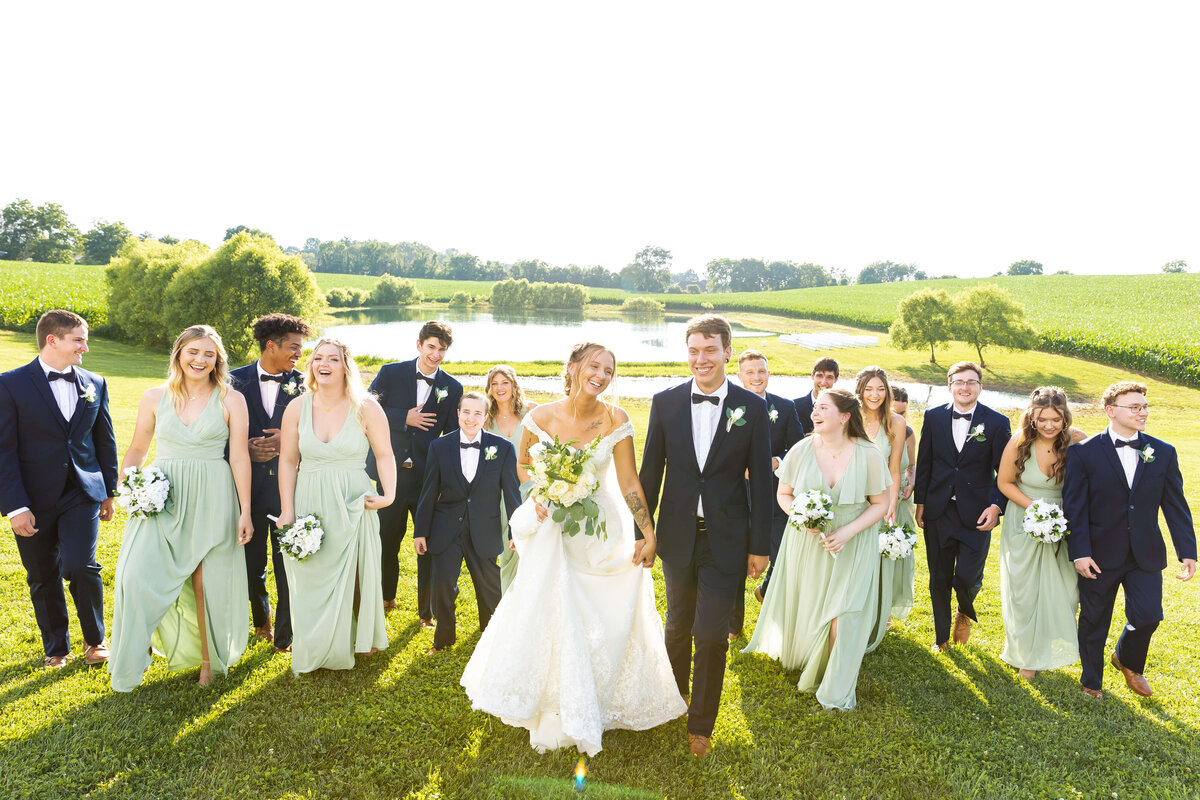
143, 491
1045, 522
897, 541
302, 539
564, 481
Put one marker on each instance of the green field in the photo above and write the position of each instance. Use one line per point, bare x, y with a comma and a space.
441, 291
27, 290
399, 726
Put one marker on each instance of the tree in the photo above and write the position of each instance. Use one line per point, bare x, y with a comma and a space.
392, 291
1024, 268
18, 229
137, 283
649, 271
888, 272
102, 243
231, 232
986, 315
1175, 266
923, 319
168, 239
58, 238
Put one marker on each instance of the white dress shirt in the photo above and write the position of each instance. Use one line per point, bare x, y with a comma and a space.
961, 427
468, 457
269, 390
705, 418
1128, 456
423, 388
66, 394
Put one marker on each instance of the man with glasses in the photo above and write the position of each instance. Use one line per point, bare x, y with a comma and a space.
1116, 483
958, 502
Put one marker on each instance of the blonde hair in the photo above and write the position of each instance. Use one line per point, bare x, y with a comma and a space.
518, 394
219, 377
352, 381
885, 408
579, 354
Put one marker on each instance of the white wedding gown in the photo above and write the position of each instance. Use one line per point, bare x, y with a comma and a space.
576, 645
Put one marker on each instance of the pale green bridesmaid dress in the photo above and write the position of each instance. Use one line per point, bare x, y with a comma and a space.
508, 556
895, 575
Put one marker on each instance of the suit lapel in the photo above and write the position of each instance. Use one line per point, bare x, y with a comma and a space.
42, 386
431, 402
456, 454
282, 398
722, 426
1110, 454
81, 383
684, 418
254, 397
1141, 464
967, 440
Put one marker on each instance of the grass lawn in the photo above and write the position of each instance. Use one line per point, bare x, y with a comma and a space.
954, 725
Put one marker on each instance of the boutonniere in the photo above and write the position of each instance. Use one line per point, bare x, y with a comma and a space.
977, 433
439, 395
88, 393
489, 453
1147, 454
292, 387
773, 414
733, 416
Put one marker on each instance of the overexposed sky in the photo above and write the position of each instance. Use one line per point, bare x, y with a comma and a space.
959, 136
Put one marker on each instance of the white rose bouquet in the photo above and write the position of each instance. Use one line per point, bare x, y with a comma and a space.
1045, 522
897, 541
143, 492
302, 539
564, 480
812, 509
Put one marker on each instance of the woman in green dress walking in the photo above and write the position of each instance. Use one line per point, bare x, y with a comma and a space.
180, 584
506, 412
1039, 590
821, 617
336, 593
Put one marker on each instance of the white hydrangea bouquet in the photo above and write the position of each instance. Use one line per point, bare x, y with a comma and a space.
897, 541
564, 481
143, 491
812, 509
1045, 522
303, 538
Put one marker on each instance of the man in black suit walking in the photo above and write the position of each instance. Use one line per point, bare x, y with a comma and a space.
1116, 483
467, 478
824, 376
268, 385
708, 450
958, 502
421, 403
58, 475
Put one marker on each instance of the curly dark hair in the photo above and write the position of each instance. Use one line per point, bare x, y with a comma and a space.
273, 327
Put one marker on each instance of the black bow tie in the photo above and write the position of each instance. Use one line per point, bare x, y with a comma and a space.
425, 378
959, 415
705, 398
69, 377
465, 445
280, 378
1134, 443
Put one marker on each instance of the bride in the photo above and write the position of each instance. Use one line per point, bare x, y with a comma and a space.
576, 645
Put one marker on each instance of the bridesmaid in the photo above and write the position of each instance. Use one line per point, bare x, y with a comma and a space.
888, 431
902, 581
820, 619
336, 593
506, 412
1039, 590
188, 556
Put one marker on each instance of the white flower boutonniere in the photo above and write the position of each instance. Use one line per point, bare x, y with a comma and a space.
773, 414
734, 417
439, 395
489, 453
88, 393
977, 433
1147, 454
292, 387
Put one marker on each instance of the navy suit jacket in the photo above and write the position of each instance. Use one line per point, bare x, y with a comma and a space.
39, 449
738, 516
396, 389
785, 432
970, 474
1110, 521
449, 504
804, 407
264, 476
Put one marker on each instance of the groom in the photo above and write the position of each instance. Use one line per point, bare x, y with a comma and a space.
58, 474
714, 525
1116, 483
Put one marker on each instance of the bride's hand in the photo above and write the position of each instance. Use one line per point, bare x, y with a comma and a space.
643, 552
541, 511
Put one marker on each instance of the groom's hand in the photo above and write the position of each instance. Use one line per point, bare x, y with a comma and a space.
1090, 569
1189, 569
419, 545
988, 519
756, 565
23, 524
106, 509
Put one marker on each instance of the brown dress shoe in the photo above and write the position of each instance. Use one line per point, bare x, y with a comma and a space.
264, 632
962, 628
54, 662
96, 653
698, 745
389, 606
1095, 694
427, 623
1136, 682
758, 593
287, 649
939, 647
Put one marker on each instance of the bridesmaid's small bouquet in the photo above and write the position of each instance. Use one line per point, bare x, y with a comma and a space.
143, 491
564, 481
811, 509
302, 539
897, 541
1045, 522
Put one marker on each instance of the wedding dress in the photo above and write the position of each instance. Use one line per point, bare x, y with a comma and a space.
576, 645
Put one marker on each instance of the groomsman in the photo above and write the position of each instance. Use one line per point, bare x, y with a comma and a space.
420, 401
958, 502
785, 429
467, 478
824, 376
268, 385
708, 450
58, 475
1116, 484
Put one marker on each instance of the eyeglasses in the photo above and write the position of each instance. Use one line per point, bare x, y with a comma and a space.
961, 384
1137, 409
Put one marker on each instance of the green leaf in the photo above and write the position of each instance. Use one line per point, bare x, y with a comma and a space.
590, 507
560, 514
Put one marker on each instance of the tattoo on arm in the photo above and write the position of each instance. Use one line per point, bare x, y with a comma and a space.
638, 508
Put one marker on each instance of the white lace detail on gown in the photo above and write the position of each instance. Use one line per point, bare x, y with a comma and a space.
576, 645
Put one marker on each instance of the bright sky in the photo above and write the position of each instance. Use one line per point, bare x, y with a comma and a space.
959, 136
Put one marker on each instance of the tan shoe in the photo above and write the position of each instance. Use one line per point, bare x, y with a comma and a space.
962, 628
1136, 682
55, 662
427, 623
939, 647
698, 745
264, 632
96, 653
1095, 694
389, 606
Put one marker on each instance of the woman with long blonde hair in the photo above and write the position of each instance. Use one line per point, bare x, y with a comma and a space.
505, 417
337, 592
181, 576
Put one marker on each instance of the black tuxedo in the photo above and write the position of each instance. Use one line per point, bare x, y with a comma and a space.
956, 550
786, 429
460, 520
264, 500
396, 389
61, 470
804, 409
1117, 527
704, 559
